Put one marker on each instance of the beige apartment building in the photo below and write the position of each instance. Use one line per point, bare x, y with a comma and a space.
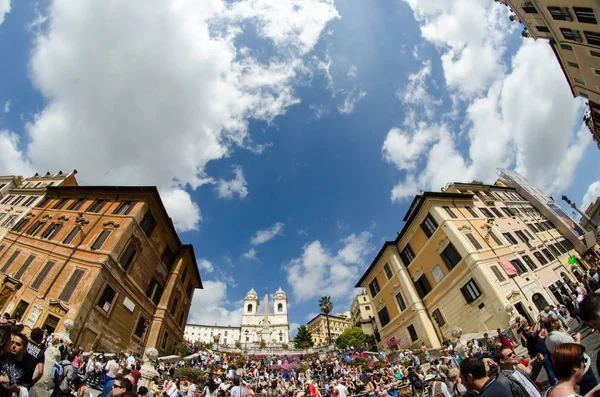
362, 312
463, 256
571, 27
20, 195
593, 211
337, 324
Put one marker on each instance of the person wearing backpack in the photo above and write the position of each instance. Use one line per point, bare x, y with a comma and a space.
416, 383
63, 374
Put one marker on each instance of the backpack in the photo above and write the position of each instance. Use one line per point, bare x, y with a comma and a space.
58, 373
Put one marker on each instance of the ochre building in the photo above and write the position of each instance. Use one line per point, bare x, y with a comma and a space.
362, 312
317, 326
106, 257
471, 256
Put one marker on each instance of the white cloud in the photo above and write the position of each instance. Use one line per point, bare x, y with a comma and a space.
352, 98
7, 106
352, 71
235, 187
302, 232
318, 270
205, 265
265, 235
507, 127
471, 34
4, 9
12, 161
209, 306
592, 193
319, 111
416, 93
156, 100
184, 212
250, 254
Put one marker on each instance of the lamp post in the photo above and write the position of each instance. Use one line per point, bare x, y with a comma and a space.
246, 342
584, 216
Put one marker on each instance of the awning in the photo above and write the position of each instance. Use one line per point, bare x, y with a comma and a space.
508, 267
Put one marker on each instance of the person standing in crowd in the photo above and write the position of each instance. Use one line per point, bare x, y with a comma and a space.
474, 376
504, 339
538, 353
568, 364
35, 348
16, 366
511, 375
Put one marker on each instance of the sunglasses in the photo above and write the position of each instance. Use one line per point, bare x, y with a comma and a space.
119, 386
512, 354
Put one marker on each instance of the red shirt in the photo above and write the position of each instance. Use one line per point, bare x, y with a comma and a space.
312, 390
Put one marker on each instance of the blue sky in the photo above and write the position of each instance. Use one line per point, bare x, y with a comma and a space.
287, 138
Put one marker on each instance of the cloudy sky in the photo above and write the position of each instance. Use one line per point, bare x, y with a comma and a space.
287, 137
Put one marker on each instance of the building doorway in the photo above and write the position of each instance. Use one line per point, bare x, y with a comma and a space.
539, 301
87, 342
51, 323
523, 313
20, 310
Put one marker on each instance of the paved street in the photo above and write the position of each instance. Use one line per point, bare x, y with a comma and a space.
591, 343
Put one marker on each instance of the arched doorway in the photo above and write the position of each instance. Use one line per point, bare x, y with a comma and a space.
576, 272
539, 301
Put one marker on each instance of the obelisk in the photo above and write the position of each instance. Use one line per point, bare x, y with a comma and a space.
265, 333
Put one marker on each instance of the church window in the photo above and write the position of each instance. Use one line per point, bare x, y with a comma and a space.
250, 308
279, 307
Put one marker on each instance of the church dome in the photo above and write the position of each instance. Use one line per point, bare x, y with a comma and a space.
251, 294
280, 294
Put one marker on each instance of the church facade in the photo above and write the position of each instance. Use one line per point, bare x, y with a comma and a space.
261, 321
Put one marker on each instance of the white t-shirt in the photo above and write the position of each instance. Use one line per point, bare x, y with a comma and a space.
556, 338
236, 391
342, 389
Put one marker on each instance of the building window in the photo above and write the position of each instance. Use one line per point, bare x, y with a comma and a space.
250, 308
8, 223
407, 255
413, 333
96, 206
507, 211
585, 15
140, 327
472, 211
41, 276
106, 299
124, 208
498, 273
560, 13
422, 286
573, 64
473, 241
61, 203
547, 254
429, 225
579, 81
529, 8
522, 237
154, 291
519, 266
540, 258
24, 267
10, 261
539, 301
470, 291
543, 29
437, 316
510, 238
367, 307
486, 212
18, 200
164, 340
51, 230
279, 308
388, 271
570, 34
75, 205
6, 200
592, 38
100, 239
128, 256
374, 288
566, 47
401, 302
174, 306
555, 251
22, 222
2, 215
189, 289
595, 53
184, 274
72, 235
450, 256
29, 201
167, 257
496, 212
71, 285
449, 212
384, 316
529, 262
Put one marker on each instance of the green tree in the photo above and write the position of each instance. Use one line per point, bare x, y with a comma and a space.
303, 339
182, 349
353, 336
326, 306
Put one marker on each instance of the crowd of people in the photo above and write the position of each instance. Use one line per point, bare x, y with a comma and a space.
44, 365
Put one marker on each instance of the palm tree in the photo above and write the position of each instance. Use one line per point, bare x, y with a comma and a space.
326, 306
